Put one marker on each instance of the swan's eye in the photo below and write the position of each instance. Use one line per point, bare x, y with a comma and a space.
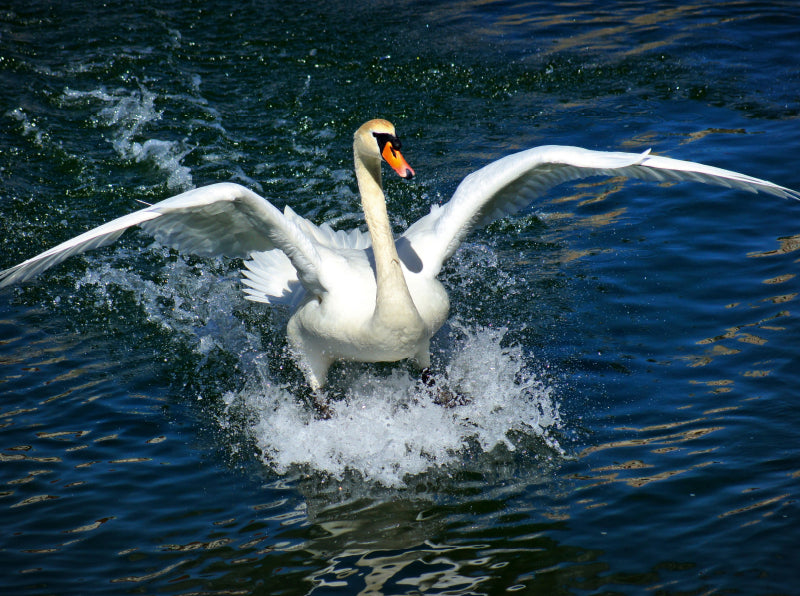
383, 138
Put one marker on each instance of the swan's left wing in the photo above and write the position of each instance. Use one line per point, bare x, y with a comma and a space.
223, 219
509, 184
271, 277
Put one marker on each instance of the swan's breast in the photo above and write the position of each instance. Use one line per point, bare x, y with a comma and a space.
431, 300
340, 324
347, 304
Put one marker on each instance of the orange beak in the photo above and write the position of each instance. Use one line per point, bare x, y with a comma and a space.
395, 159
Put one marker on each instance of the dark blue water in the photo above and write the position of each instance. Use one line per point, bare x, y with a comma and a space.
630, 349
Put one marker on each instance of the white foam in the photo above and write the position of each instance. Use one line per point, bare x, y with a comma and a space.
388, 428
29, 127
128, 113
192, 302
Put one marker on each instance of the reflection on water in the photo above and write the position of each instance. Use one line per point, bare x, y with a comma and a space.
427, 568
788, 245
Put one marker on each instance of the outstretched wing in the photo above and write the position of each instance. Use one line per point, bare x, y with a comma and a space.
220, 219
507, 185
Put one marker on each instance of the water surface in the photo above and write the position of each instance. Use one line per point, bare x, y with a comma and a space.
630, 349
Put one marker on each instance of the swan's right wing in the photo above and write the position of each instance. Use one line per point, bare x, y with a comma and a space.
509, 184
220, 219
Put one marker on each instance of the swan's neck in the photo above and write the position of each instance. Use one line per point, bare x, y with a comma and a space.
393, 304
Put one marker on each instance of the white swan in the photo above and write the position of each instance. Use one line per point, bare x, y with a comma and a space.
368, 297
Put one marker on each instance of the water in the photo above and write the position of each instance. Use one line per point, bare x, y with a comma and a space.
629, 349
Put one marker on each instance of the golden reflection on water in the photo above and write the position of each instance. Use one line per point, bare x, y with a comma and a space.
701, 134
90, 527
787, 244
650, 138
5, 457
43, 474
738, 334
719, 385
780, 279
588, 192
669, 439
600, 38
33, 500
150, 576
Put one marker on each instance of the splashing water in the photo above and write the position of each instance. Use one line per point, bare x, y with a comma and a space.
128, 113
386, 427
389, 428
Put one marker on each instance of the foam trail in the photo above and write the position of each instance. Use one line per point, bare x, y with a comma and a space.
196, 307
128, 113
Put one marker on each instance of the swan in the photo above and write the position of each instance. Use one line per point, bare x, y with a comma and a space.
368, 296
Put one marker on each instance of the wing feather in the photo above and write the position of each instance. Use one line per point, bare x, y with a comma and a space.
509, 184
221, 219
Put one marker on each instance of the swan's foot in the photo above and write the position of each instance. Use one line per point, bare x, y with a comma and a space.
322, 405
442, 396
427, 377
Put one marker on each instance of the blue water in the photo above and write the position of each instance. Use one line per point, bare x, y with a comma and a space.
630, 349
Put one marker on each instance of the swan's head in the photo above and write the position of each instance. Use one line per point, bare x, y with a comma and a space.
377, 139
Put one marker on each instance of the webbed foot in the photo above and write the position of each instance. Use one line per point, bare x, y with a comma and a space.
441, 395
321, 405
